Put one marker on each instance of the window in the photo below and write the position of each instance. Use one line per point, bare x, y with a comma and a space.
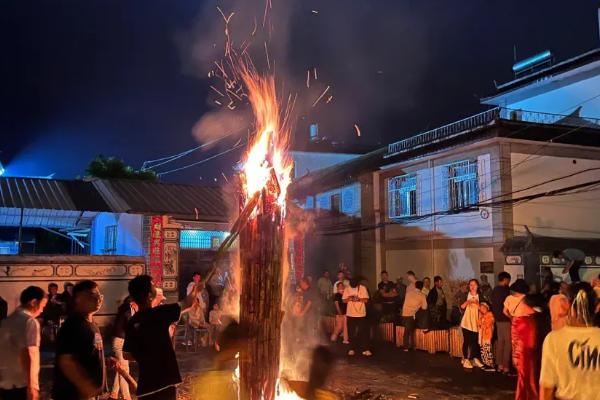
310, 202
335, 202
199, 239
463, 188
402, 192
110, 239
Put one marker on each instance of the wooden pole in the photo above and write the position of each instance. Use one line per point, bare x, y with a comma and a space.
261, 262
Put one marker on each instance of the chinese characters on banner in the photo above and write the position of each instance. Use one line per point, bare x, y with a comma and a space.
155, 250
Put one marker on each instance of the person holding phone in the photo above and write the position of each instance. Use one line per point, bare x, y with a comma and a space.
470, 327
356, 297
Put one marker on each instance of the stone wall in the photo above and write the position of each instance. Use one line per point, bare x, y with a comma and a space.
111, 272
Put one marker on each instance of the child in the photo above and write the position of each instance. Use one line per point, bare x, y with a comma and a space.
195, 320
341, 325
486, 332
214, 319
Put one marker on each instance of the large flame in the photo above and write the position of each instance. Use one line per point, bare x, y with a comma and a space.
267, 156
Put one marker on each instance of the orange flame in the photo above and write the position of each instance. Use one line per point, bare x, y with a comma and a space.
267, 155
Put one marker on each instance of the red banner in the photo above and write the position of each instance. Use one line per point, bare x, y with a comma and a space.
299, 256
155, 250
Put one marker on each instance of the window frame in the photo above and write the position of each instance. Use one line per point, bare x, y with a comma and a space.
462, 186
111, 233
406, 196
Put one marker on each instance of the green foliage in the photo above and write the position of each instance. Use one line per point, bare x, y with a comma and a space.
112, 168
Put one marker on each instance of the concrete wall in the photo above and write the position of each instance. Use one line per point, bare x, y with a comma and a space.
565, 99
112, 273
306, 162
129, 233
573, 215
448, 245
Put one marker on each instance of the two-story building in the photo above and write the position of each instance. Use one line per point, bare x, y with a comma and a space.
445, 202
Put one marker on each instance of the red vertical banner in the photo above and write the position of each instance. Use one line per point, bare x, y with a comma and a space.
299, 256
155, 250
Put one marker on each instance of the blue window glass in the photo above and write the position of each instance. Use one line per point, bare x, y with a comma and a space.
463, 187
402, 194
200, 239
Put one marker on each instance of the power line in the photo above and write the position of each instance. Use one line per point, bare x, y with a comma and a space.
165, 160
470, 208
241, 144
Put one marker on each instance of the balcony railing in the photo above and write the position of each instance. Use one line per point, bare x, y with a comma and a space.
484, 118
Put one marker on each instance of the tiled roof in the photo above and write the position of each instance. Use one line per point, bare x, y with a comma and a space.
119, 196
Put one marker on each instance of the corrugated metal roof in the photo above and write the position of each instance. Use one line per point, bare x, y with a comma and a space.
49, 194
183, 201
119, 196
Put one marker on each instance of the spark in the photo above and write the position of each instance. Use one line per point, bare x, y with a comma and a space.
315, 72
267, 53
308, 78
234, 95
321, 96
221, 69
218, 102
357, 130
329, 100
224, 176
227, 38
255, 27
217, 90
315, 11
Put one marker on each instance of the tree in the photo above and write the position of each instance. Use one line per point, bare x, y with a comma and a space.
112, 168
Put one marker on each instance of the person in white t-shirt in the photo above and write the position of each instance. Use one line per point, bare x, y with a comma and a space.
470, 327
356, 297
20, 347
570, 356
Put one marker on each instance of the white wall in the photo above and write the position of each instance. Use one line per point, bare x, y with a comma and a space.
349, 199
306, 162
575, 215
432, 197
564, 100
129, 233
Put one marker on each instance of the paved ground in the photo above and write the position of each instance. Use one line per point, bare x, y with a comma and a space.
390, 373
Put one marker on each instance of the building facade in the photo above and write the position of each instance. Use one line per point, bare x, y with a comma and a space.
446, 201
110, 231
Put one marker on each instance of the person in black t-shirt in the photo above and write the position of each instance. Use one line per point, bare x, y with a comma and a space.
341, 324
388, 294
311, 305
79, 371
147, 341
3, 309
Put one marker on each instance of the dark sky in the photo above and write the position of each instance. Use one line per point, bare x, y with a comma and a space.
82, 78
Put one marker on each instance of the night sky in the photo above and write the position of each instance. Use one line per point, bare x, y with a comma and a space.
112, 77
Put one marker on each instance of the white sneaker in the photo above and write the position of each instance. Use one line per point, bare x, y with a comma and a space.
351, 353
367, 353
467, 364
478, 363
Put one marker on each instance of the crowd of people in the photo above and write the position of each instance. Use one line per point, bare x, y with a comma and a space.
547, 338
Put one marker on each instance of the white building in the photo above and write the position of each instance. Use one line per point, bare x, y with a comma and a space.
445, 202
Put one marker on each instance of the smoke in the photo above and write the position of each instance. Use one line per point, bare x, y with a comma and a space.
372, 57
216, 124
